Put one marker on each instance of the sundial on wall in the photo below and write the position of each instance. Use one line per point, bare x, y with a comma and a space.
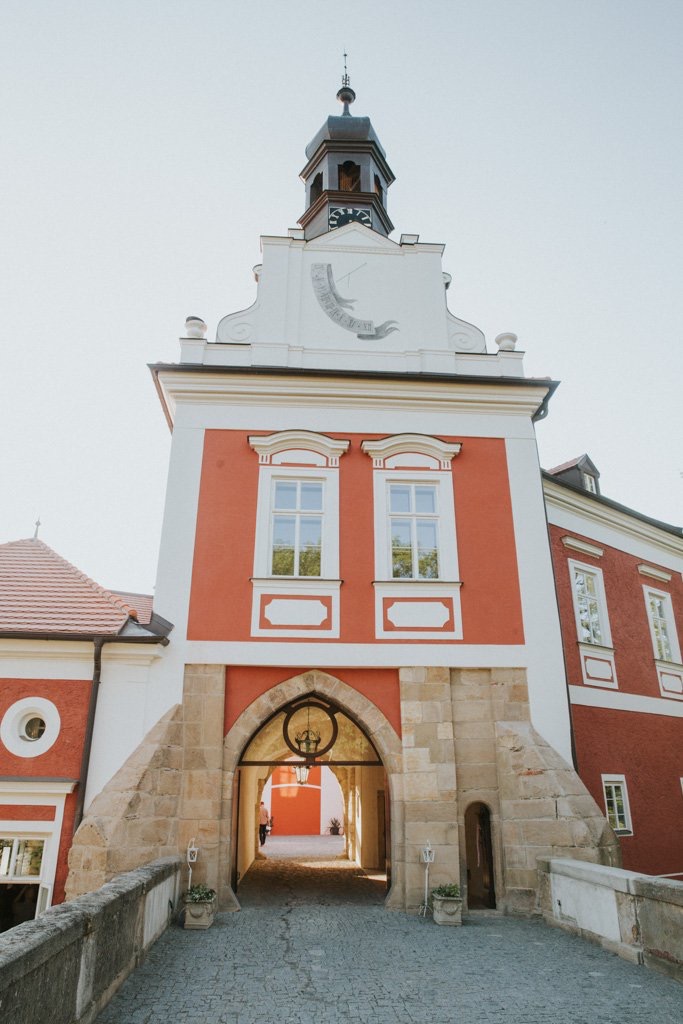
335, 306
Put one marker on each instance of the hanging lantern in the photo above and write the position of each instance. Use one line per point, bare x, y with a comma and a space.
302, 771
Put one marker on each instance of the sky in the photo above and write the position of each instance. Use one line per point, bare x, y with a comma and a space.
147, 146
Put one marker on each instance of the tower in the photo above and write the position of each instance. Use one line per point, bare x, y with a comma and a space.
347, 175
355, 533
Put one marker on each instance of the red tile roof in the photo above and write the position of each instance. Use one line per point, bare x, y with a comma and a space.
141, 603
40, 592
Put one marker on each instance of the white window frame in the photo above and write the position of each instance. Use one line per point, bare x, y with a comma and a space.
329, 565
601, 599
445, 519
43, 794
672, 633
618, 780
412, 518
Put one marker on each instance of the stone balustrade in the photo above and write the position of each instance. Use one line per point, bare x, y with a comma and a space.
68, 963
640, 917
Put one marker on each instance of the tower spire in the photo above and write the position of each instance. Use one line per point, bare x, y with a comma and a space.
346, 95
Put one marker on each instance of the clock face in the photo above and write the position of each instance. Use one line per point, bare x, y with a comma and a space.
340, 215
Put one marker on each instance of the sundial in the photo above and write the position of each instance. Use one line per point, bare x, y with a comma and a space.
335, 306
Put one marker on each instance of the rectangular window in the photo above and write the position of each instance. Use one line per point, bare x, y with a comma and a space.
616, 804
21, 859
414, 531
297, 527
589, 604
662, 626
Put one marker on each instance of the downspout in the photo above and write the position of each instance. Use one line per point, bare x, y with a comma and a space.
99, 642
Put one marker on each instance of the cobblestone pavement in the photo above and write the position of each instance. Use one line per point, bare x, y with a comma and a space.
314, 945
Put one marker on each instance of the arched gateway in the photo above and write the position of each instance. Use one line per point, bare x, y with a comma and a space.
354, 736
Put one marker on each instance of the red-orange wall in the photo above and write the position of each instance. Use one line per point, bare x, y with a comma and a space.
244, 683
295, 809
62, 760
634, 657
221, 593
648, 751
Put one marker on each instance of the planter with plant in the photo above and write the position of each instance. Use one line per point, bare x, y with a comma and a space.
447, 904
335, 826
200, 906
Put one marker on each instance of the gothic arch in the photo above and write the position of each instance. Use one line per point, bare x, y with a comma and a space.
359, 707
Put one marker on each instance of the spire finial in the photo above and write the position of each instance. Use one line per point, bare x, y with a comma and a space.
346, 94
37, 525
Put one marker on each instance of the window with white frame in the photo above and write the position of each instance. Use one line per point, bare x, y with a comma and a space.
616, 804
297, 527
413, 530
590, 605
21, 859
662, 626
22, 894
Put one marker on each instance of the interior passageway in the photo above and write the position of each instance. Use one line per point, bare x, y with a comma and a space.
296, 870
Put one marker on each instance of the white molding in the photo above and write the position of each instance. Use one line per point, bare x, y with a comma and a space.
668, 670
617, 700
416, 591
450, 396
330, 518
380, 654
48, 794
266, 446
581, 545
654, 573
601, 596
11, 731
448, 542
306, 588
422, 444
602, 655
28, 791
672, 632
617, 529
618, 780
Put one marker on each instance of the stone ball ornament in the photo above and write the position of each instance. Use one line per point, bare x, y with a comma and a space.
195, 327
506, 342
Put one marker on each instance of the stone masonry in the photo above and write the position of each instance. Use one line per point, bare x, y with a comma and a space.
466, 738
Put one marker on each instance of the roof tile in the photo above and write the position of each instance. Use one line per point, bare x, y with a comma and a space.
40, 592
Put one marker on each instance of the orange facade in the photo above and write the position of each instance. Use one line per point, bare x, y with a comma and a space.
61, 761
221, 592
295, 809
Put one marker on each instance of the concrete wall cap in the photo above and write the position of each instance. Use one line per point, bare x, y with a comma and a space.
595, 874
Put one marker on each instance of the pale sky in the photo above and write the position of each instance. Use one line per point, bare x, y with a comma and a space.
146, 146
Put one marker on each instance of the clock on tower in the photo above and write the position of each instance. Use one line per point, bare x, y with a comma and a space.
341, 215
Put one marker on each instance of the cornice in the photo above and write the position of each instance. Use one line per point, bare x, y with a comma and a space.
221, 385
599, 513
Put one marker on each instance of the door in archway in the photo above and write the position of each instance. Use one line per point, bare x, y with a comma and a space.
481, 892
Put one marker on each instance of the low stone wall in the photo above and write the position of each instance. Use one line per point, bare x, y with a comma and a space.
640, 917
66, 965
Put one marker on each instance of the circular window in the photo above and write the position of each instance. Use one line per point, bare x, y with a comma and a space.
30, 726
33, 728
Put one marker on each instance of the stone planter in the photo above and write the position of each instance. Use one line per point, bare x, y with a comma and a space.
199, 915
447, 909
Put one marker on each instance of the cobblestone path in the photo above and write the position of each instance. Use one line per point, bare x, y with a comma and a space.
314, 945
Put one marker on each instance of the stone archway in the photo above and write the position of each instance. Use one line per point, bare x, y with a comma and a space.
366, 714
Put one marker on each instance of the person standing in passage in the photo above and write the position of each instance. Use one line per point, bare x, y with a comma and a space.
263, 821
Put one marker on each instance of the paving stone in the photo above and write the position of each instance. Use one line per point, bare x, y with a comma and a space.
313, 943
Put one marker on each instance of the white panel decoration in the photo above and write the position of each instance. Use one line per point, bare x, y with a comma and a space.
418, 614
289, 611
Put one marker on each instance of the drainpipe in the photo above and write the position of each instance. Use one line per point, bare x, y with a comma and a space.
99, 642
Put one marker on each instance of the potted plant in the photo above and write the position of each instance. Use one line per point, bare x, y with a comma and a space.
200, 906
447, 904
335, 826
